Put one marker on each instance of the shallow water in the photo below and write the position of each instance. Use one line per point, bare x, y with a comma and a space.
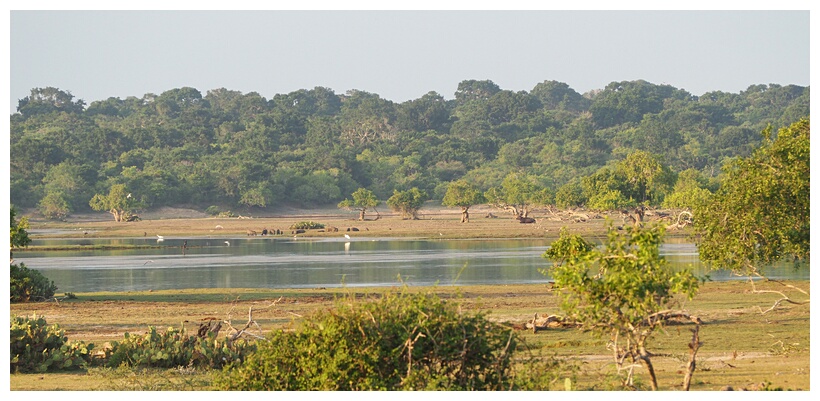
267, 262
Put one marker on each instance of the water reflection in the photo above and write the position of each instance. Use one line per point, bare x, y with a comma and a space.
265, 262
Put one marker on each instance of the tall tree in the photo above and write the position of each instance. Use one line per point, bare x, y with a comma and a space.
407, 202
647, 178
760, 214
517, 194
464, 195
119, 202
19, 230
48, 100
363, 199
622, 291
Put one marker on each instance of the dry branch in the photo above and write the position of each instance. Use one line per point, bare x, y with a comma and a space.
235, 333
783, 296
681, 223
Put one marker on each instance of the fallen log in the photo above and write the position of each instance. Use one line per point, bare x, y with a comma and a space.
538, 323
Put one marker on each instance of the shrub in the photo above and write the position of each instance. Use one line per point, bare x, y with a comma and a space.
400, 342
173, 348
213, 210
29, 285
38, 347
306, 225
622, 291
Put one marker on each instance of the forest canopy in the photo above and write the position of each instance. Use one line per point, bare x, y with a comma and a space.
631, 142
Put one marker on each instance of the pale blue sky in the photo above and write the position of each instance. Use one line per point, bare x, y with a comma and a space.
400, 55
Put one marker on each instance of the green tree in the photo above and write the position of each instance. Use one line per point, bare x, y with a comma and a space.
54, 206
464, 195
429, 112
407, 202
569, 195
646, 177
363, 199
69, 179
19, 230
640, 178
558, 95
629, 101
623, 291
254, 196
48, 100
689, 191
471, 89
25, 284
518, 193
119, 202
760, 214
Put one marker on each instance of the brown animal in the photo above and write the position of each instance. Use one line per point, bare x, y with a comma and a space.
525, 220
298, 232
251, 233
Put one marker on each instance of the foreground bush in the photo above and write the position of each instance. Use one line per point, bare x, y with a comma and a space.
400, 342
29, 285
174, 348
38, 347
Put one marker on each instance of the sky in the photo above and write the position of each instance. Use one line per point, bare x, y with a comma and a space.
400, 55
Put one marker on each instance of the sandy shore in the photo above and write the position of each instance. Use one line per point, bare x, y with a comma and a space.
433, 222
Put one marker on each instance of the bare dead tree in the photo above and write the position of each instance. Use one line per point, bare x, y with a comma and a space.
234, 333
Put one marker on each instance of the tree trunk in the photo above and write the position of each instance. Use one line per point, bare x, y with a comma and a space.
693, 350
117, 214
465, 215
361, 215
653, 381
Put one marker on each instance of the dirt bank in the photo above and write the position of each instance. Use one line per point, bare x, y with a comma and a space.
433, 222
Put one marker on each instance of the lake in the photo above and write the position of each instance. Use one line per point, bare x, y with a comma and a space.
276, 262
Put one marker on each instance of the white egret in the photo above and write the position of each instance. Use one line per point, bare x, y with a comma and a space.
347, 236
227, 243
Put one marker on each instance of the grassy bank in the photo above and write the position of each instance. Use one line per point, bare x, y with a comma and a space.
741, 347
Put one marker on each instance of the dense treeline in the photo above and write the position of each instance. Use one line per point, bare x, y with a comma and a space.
632, 141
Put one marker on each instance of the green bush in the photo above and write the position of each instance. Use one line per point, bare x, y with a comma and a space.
213, 210
174, 348
400, 342
29, 285
38, 347
306, 225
